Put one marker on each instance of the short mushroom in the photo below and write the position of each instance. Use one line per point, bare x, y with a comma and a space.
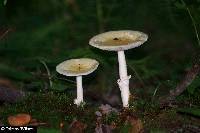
120, 41
78, 68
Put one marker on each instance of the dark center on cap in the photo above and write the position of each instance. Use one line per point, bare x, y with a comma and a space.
79, 67
115, 38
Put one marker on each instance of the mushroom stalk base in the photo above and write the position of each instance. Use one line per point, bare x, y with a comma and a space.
123, 82
79, 98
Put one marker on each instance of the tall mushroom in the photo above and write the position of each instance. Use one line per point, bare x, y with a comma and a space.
120, 41
78, 68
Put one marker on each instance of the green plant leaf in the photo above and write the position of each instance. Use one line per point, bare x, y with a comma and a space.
5, 2
180, 5
190, 111
125, 128
11, 72
194, 85
58, 86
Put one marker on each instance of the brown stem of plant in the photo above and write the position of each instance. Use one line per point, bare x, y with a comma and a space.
4, 33
183, 84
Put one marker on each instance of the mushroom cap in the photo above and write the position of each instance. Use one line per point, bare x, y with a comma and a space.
118, 40
77, 67
19, 120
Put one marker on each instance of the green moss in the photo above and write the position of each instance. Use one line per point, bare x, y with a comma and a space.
53, 109
48, 130
111, 118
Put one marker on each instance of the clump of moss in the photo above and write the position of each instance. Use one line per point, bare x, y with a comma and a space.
51, 108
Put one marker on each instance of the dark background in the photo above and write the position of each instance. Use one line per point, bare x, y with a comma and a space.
36, 35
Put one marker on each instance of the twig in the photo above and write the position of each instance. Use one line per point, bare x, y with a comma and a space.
5, 33
48, 72
136, 73
155, 91
189, 77
38, 124
182, 86
193, 22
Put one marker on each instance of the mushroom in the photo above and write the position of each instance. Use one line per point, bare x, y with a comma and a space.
78, 68
120, 41
19, 120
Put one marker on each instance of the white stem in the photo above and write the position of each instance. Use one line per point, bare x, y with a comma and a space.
123, 82
79, 98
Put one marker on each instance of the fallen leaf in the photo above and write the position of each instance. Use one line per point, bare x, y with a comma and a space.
98, 129
113, 125
103, 129
19, 120
106, 109
61, 125
77, 127
38, 124
136, 125
6, 83
97, 113
34, 122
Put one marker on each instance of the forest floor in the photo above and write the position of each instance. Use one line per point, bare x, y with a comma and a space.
55, 112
